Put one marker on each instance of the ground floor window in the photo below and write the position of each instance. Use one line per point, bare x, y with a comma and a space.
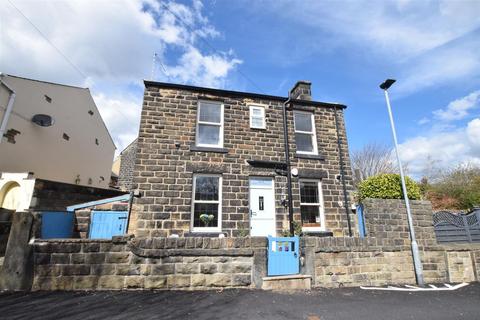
206, 203
311, 204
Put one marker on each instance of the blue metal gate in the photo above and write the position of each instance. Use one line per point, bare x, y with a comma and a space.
283, 256
57, 224
106, 224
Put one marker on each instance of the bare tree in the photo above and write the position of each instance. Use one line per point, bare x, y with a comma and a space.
372, 159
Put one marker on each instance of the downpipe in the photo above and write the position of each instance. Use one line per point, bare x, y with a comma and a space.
8, 110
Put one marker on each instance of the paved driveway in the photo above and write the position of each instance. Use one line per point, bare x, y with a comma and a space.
244, 304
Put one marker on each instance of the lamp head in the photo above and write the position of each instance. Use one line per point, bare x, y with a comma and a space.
387, 84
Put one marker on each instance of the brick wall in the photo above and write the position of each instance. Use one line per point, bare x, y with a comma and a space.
165, 162
127, 164
158, 263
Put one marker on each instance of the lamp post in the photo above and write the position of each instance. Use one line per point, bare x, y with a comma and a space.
413, 241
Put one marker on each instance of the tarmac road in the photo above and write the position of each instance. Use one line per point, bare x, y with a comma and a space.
324, 304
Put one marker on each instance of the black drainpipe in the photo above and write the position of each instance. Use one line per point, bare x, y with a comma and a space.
287, 160
342, 174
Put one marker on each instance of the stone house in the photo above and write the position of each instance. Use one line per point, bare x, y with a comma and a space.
212, 161
123, 166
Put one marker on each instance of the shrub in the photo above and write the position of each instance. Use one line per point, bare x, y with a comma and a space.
387, 186
457, 188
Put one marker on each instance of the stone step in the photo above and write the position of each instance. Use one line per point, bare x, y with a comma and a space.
287, 283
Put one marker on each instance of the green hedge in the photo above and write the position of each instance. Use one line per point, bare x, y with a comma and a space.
387, 186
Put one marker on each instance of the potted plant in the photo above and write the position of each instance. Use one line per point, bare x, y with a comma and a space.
206, 218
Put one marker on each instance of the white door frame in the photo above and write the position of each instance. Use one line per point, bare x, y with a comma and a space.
273, 200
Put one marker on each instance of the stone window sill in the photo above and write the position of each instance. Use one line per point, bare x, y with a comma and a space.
208, 149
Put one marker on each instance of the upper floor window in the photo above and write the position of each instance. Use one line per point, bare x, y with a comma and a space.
305, 136
209, 124
257, 117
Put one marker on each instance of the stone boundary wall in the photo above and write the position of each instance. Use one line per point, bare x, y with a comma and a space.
351, 262
208, 263
153, 263
387, 218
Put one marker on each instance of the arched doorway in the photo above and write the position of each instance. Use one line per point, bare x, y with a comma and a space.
10, 196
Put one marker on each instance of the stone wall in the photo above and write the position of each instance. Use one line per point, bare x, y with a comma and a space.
155, 263
127, 165
351, 262
5, 225
167, 159
56, 196
203, 263
387, 218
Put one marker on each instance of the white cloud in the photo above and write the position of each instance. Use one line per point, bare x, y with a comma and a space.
122, 126
112, 42
459, 109
445, 148
423, 121
473, 134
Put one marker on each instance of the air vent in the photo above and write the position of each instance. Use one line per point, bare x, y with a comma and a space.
43, 120
66, 137
49, 100
90, 112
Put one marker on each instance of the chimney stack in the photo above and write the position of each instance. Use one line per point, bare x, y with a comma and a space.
301, 90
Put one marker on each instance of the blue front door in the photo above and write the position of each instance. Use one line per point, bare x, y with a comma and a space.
106, 224
283, 256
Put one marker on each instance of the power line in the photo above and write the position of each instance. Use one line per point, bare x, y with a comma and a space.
62, 54
191, 29
51, 43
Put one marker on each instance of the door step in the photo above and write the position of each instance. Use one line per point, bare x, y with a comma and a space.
287, 283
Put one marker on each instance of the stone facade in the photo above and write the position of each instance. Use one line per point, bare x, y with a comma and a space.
159, 263
167, 158
127, 165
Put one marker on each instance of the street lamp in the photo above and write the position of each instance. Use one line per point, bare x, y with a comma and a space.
413, 241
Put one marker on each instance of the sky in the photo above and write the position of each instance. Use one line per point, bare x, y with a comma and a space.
345, 48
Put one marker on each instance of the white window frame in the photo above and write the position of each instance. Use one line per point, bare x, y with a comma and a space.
219, 201
258, 107
220, 144
319, 204
313, 134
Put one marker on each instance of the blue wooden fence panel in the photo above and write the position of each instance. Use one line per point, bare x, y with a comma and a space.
57, 224
283, 256
106, 224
